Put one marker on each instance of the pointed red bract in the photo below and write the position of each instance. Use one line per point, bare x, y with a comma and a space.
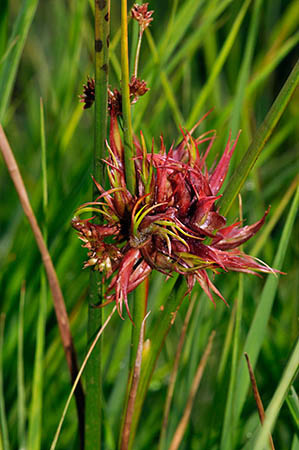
170, 225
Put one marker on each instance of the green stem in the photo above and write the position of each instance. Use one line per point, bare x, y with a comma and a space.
93, 419
126, 105
139, 311
157, 336
137, 53
102, 30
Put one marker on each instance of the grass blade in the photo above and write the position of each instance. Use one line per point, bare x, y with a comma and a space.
10, 65
258, 327
293, 405
76, 382
58, 300
262, 135
133, 389
21, 382
174, 372
261, 241
4, 439
35, 416
227, 435
278, 399
245, 68
197, 108
258, 400
177, 115
179, 434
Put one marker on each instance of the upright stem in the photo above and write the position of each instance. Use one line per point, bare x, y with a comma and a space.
139, 312
93, 369
102, 36
126, 106
137, 53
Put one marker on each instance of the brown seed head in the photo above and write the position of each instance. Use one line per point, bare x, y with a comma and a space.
88, 95
142, 15
137, 87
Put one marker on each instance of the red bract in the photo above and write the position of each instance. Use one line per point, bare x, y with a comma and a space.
171, 224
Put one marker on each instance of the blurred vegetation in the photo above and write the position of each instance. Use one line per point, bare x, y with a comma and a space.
181, 63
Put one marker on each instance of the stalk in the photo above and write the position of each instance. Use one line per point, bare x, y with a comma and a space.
126, 105
93, 368
139, 311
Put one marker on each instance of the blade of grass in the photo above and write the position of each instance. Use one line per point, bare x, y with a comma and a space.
157, 335
276, 142
133, 389
58, 300
177, 115
197, 108
261, 75
258, 326
169, 308
36, 407
184, 17
21, 382
35, 413
245, 67
210, 48
180, 431
76, 382
174, 373
188, 48
293, 405
278, 399
262, 135
258, 400
261, 241
139, 312
227, 345
227, 434
10, 65
3, 422
3, 26
295, 443
93, 405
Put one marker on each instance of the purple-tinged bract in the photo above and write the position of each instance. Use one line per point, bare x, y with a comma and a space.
172, 223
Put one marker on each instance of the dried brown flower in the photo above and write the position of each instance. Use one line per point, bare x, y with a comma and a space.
142, 15
88, 95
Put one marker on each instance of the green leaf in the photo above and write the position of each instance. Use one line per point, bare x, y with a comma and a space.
197, 108
293, 404
21, 382
156, 338
8, 68
257, 331
262, 135
4, 439
35, 415
278, 399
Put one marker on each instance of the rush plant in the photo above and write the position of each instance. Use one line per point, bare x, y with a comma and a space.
174, 290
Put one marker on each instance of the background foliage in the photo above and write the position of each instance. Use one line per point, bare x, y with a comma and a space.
193, 59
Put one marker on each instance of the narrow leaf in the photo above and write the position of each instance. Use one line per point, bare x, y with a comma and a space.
278, 399
259, 323
21, 382
3, 422
9, 67
262, 135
